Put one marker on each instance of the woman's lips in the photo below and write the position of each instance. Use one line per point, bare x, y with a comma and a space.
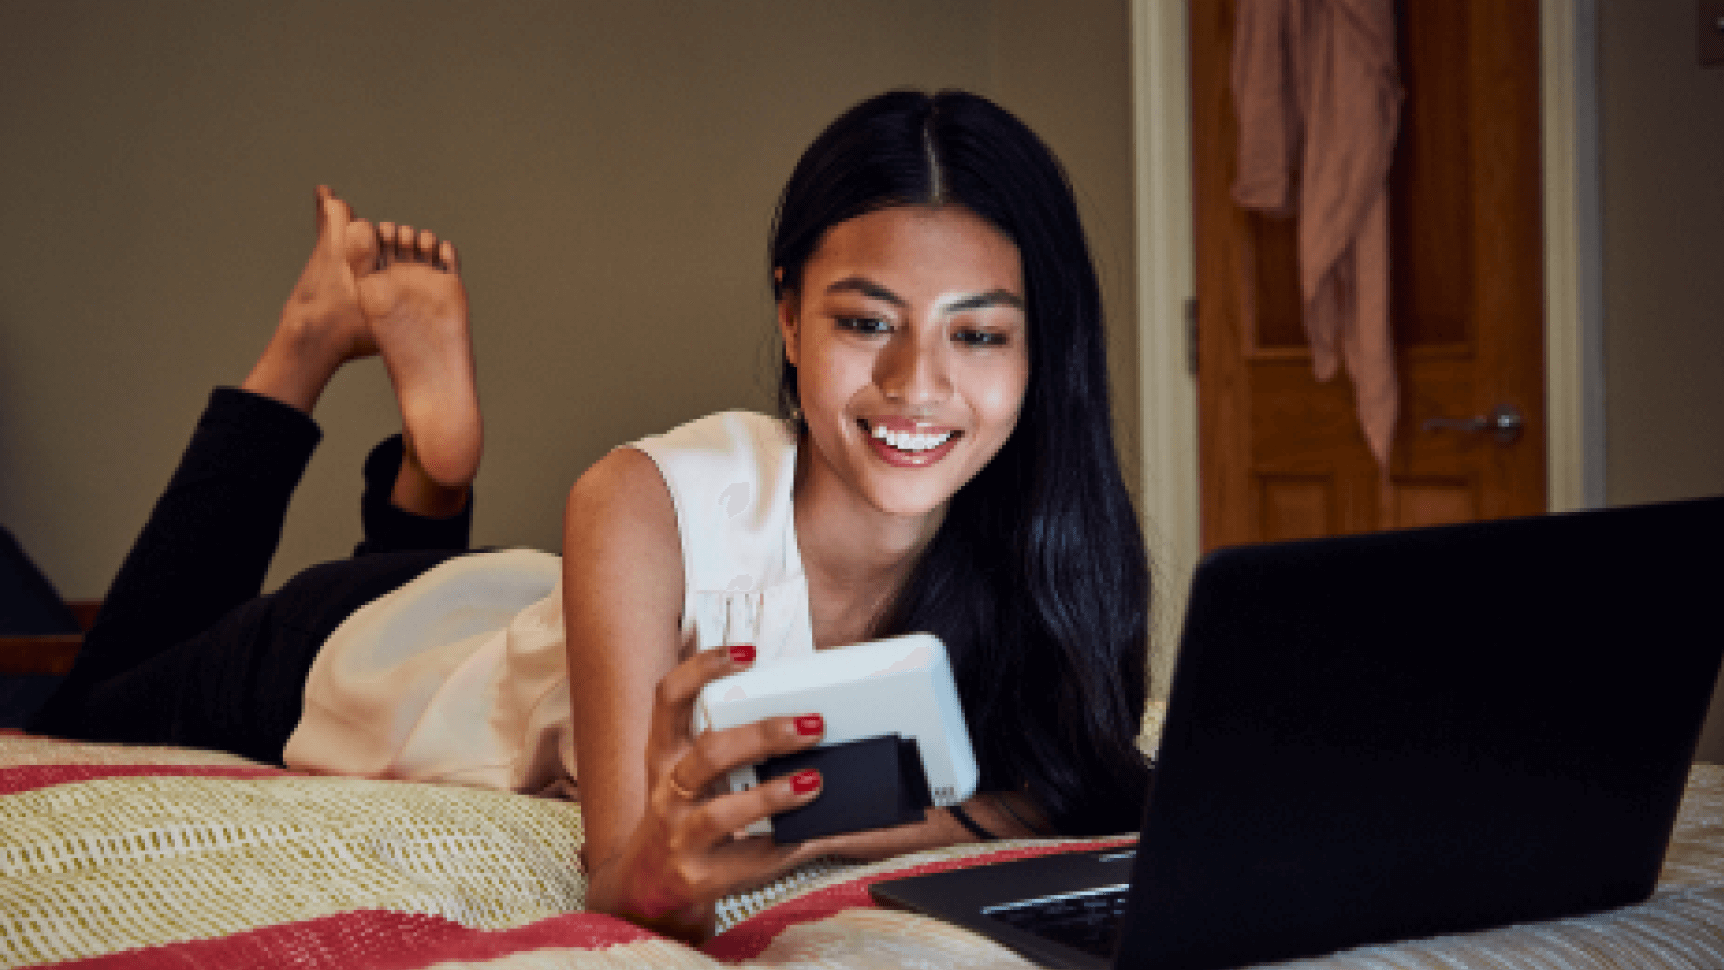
908, 445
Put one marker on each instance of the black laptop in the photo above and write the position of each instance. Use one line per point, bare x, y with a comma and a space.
1396, 735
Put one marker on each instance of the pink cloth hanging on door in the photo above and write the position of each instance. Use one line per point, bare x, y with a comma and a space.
1317, 94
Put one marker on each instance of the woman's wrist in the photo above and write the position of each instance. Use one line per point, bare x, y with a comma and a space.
689, 922
690, 926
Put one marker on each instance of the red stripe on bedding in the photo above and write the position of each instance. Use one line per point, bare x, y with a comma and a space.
30, 777
371, 940
751, 937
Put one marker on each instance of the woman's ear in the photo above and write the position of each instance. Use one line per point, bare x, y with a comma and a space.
787, 325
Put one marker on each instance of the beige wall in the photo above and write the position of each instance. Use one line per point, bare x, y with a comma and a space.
609, 170
1663, 172
1662, 118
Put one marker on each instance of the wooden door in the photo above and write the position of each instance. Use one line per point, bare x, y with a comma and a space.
1282, 456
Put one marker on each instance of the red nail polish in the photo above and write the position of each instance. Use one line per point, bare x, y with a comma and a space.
805, 781
742, 653
810, 724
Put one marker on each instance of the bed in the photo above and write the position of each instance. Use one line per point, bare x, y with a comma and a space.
138, 857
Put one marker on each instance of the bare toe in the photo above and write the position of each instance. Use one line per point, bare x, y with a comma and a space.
330, 209
359, 247
447, 259
426, 249
385, 244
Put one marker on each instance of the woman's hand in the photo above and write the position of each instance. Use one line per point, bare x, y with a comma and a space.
683, 854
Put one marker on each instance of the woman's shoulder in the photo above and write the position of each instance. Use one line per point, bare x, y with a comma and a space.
724, 438
732, 461
723, 433
620, 540
724, 464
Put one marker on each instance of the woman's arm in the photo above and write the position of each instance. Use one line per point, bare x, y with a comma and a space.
622, 606
656, 851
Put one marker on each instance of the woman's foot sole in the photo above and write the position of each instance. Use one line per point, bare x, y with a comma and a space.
416, 306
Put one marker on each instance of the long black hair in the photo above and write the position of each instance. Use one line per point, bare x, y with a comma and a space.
1037, 579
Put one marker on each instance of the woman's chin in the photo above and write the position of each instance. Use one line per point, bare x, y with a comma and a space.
916, 503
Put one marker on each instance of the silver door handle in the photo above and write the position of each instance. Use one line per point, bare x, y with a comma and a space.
1504, 424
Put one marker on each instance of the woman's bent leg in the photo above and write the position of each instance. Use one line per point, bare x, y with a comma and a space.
205, 548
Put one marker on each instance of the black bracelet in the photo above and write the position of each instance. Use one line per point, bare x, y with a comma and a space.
1004, 804
966, 821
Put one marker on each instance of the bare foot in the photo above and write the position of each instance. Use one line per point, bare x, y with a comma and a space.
416, 307
321, 325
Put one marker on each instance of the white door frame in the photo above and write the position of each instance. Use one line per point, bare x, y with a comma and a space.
1574, 385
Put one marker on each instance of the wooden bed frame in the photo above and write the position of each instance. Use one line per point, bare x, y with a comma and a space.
49, 653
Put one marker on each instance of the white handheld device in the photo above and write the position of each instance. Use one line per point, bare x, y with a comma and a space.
899, 686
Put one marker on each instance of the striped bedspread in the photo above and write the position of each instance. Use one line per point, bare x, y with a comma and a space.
132, 857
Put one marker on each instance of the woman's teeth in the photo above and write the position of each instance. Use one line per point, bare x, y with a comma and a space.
911, 440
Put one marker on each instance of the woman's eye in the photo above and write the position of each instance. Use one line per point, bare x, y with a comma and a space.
981, 338
865, 325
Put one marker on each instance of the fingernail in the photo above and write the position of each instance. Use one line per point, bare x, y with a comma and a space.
805, 781
810, 724
741, 653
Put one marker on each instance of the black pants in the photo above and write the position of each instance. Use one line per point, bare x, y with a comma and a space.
185, 651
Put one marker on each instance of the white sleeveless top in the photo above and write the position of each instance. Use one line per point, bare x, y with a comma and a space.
460, 676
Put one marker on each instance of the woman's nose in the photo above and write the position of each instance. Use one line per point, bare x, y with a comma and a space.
911, 372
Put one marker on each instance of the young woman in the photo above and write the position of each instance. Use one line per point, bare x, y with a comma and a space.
944, 462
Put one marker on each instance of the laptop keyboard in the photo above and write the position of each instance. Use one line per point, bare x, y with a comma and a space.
1087, 921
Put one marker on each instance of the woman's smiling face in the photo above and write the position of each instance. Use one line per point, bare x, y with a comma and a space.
909, 339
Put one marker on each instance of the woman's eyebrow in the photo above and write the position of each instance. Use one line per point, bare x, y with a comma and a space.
869, 289
981, 301
974, 301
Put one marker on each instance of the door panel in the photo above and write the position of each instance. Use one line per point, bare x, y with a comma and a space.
1282, 456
